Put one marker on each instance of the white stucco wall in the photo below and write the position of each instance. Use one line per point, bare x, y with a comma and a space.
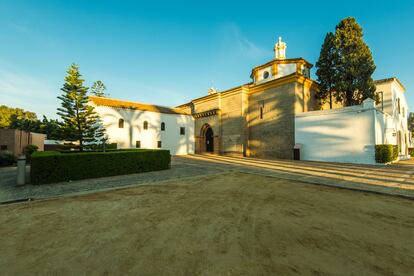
282, 70
285, 69
347, 134
261, 72
133, 130
339, 135
392, 91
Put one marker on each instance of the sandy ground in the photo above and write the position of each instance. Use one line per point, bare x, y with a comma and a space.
230, 224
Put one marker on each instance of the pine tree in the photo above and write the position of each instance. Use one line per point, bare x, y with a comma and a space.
79, 120
354, 66
51, 128
98, 89
326, 71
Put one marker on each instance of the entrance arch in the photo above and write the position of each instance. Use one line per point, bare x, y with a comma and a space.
207, 143
209, 140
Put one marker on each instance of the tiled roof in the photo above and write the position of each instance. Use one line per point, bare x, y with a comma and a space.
101, 101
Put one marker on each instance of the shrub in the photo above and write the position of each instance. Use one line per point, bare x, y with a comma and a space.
7, 158
29, 150
386, 153
96, 147
49, 167
411, 152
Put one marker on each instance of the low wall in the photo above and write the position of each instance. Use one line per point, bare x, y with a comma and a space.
339, 135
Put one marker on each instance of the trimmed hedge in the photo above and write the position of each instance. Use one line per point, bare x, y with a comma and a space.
386, 153
52, 166
411, 152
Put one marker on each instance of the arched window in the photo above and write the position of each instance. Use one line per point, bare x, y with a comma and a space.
145, 125
121, 123
162, 126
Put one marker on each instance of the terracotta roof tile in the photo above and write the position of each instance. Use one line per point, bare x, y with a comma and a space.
101, 101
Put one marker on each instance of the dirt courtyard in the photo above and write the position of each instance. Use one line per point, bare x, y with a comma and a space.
226, 224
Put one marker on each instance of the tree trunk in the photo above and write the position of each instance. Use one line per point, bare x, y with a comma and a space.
330, 99
349, 96
81, 144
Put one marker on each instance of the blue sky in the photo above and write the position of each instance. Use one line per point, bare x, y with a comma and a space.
170, 52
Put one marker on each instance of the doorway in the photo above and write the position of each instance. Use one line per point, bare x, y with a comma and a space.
209, 140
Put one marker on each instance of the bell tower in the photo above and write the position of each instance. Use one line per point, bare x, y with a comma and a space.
280, 49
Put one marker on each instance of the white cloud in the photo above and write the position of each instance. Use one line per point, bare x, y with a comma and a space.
28, 92
146, 92
233, 39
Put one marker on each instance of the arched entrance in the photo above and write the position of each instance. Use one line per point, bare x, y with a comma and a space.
206, 139
209, 140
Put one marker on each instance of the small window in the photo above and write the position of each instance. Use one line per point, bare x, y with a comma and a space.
159, 144
145, 125
138, 144
162, 126
3, 147
182, 130
381, 99
398, 106
261, 109
265, 75
121, 123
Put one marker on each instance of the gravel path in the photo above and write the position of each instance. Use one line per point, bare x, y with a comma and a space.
396, 179
227, 224
10, 192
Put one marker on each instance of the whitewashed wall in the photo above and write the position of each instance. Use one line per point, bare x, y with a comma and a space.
347, 134
339, 135
285, 69
282, 70
392, 91
134, 131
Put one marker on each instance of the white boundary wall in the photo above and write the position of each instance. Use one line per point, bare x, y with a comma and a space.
346, 135
133, 129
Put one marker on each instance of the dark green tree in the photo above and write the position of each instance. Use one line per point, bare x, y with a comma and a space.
326, 70
17, 118
98, 89
51, 128
79, 120
26, 124
411, 122
354, 65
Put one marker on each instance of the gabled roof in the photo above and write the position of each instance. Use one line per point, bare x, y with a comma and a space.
101, 101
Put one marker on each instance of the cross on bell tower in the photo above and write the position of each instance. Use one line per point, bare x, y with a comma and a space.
280, 49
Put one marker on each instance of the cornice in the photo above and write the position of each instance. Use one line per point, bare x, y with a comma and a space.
295, 77
282, 61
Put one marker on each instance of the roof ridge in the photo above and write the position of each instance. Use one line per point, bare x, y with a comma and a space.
111, 102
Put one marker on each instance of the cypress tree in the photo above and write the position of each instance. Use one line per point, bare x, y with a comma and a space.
354, 66
326, 70
79, 120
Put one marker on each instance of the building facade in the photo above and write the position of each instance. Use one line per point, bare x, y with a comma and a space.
255, 119
267, 118
135, 125
15, 141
